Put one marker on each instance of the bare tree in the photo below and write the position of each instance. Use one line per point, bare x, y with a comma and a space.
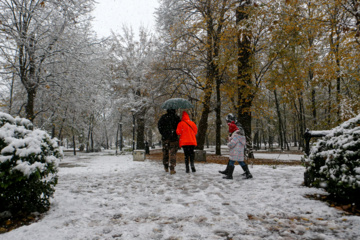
30, 33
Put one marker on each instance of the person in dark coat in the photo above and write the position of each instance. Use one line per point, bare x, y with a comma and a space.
167, 125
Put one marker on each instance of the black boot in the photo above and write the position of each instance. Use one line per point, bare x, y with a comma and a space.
229, 173
172, 170
187, 165
166, 167
247, 172
192, 157
226, 169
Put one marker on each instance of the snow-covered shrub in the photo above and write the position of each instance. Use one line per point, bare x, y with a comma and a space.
334, 162
28, 166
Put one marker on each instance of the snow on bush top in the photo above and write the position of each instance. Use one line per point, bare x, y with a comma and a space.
345, 136
6, 118
29, 150
334, 162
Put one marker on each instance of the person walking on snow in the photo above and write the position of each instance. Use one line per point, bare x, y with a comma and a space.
230, 120
236, 144
187, 131
167, 127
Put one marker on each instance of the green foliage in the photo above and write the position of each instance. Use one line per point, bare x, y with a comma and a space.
334, 163
28, 166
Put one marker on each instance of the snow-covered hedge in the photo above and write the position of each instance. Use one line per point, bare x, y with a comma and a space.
334, 162
28, 166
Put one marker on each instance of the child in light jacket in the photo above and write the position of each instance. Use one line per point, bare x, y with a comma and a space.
236, 144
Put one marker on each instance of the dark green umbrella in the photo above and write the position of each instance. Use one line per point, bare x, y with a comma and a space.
176, 103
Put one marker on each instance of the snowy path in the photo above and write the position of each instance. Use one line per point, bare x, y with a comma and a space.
109, 197
262, 154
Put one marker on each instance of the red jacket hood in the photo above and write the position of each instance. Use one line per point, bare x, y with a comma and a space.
185, 116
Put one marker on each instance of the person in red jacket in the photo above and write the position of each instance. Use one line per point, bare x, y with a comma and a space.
187, 131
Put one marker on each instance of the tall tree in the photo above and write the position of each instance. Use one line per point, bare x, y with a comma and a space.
245, 84
197, 38
132, 76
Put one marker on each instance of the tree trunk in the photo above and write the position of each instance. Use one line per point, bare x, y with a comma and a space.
116, 139
207, 140
338, 92
245, 120
213, 32
88, 140
29, 109
279, 121
150, 137
245, 96
284, 128
140, 133
107, 140
264, 140
298, 123
121, 138
30, 85
301, 121
60, 131
338, 82
203, 124
256, 140
62, 125
218, 80
53, 131
329, 106
313, 106
92, 140
74, 144
294, 137
218, 117
11, 93
106, 133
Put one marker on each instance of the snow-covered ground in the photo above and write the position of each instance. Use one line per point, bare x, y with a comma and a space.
279, 156
112, 197
261, 155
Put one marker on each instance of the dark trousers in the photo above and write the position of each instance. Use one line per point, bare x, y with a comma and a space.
169, 150
188, 151
241, 163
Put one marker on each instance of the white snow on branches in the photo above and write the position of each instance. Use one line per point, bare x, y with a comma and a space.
25, 146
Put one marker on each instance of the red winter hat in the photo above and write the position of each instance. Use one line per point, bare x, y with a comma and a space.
232, 127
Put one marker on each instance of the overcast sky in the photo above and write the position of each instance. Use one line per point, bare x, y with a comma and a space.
112, 14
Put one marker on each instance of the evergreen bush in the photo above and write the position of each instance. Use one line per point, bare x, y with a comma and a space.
28, 166
334, 162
